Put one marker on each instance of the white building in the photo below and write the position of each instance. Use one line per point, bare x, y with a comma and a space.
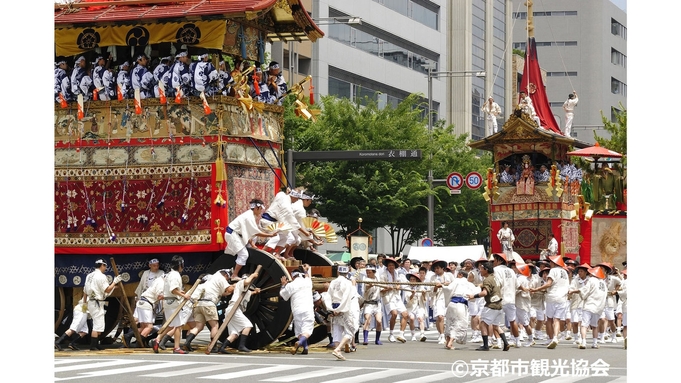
582, 45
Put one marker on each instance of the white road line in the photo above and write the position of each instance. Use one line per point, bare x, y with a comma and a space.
196, 370
309, 375
92, 365
69, 361
430, 378
371, 376
251, 372
145, 367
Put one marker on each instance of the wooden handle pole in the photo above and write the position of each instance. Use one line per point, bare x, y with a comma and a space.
126, 304
177, 311
229, 316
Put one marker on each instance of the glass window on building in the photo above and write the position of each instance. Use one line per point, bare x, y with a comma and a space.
617, 58
618, 29
618, 87
339, 88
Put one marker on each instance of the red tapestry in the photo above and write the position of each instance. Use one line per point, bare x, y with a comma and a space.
141, 206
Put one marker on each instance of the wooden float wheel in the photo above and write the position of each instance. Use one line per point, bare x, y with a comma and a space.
62, 314
269, 314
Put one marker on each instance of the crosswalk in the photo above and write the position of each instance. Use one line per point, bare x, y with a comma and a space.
124, 369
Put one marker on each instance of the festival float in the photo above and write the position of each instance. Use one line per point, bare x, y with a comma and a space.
136, 179
584, 208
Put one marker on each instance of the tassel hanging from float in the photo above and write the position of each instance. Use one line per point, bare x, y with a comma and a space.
138, 102
81, 113
120, 93
162, 92
178, 95
206, 108
62, 101
311, 93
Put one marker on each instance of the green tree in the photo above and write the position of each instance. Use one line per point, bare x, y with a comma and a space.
617, 130
390, 195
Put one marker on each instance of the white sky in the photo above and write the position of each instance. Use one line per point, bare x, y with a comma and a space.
622, 4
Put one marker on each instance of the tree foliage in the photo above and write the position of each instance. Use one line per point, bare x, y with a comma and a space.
618, 132
388, 195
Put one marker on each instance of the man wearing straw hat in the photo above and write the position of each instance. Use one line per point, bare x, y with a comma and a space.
507, 282
456, 316
593, 294
416, 307
372, 306
437, 297
556, 287
576, 302
392, 299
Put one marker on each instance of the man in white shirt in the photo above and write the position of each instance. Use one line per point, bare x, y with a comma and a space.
523, 301
240, 232
372, 305
207, 295
492, 112
556, 287
553, 245
148, 277
506, 237
173, 292
98, 290
437, 297
345, 308
145, 312
506, 279
392, 299
569, 108
299, 292
281, 210
593, 294
456, 317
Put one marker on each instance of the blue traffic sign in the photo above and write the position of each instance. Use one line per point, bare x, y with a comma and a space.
426, 242
455, 181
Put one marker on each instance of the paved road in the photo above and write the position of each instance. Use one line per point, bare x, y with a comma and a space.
393, 362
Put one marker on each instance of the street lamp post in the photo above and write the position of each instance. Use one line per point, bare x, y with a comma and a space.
431, 74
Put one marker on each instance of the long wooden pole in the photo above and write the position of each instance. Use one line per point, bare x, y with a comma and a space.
177, 311
126, 304
229, 316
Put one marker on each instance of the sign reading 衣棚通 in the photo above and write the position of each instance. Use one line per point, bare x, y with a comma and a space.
358, 155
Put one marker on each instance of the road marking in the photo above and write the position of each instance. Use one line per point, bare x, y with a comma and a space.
84, 365
309, 375
145, 367
371, 376
197, 370
430, 378
69, 360
251, 372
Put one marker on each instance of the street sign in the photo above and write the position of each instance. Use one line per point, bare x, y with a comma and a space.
359, 155
454, 181
426, 242
474, 180
452, 192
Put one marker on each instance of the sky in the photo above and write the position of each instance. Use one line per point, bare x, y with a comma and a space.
622, 4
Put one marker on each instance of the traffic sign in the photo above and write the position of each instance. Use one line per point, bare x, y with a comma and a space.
454, 181
474, 180
426, 242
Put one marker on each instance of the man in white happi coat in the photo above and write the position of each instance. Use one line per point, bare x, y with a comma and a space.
299, 293
576, 301
281, 211
523, 301
507, 281
149, 276
506, 237
557, 286
593, 294
173, 293
78, 327
392, 299
553, 245
240, 232
372, 305
415, 302
240, 326
98, 290
345, 308
475, 305
297, 237
569, 108
613, 282
492, 112
206, 297
528, 107
437, 298
456, 316
145, 309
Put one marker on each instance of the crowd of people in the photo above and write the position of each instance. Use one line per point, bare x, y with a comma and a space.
166, 77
